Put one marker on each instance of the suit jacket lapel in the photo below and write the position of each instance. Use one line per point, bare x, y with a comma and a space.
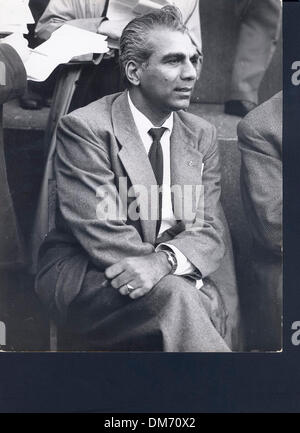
186, 169
135, 161
186, 165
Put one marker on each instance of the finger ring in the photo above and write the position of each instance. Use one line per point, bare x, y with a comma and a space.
129, 288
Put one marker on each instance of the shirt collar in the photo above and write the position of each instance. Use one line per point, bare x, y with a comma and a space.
142, 122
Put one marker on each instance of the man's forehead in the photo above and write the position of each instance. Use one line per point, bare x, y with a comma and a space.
165, 41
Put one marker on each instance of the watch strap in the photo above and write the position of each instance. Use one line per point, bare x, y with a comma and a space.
171, 257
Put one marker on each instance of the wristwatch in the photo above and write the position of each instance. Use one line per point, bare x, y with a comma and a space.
171, 257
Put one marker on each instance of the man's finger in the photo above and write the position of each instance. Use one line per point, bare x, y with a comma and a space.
124, 290
115, 270
138, 293
122, 279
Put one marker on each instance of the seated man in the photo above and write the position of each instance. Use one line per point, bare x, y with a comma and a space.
127, 268
260, 142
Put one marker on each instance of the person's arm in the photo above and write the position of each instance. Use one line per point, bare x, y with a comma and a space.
261, 185
191, 17
112, 29
183, 265
13, 79
73, 12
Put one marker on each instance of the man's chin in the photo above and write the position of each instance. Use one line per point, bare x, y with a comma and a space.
181, 105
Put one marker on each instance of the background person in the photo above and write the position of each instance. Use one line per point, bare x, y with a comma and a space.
260, 143
13, 52
13, 81
260, 24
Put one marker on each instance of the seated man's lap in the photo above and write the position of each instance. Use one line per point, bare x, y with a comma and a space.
72, 290
104, 319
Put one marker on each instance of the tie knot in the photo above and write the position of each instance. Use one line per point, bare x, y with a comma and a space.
156, 133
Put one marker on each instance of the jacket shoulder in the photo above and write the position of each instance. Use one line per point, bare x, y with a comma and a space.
196, 123
201, 134
95, 116
265, 120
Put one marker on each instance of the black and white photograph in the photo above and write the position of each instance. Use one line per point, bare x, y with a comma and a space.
141, 176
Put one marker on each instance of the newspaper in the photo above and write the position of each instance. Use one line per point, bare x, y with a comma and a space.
14, 16
64, 44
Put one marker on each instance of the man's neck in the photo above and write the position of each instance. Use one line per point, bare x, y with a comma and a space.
156, 117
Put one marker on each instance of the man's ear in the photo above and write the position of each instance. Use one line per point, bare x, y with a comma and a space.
133, 72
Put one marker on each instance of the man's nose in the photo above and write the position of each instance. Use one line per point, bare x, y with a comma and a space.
189, 71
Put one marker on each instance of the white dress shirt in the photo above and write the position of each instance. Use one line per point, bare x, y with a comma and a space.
168, 220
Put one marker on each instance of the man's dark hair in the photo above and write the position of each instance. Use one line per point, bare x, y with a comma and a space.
134, 39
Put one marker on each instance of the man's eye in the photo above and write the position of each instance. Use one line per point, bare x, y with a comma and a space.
173, 61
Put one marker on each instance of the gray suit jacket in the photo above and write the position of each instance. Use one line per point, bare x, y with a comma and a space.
260, 142
97, 146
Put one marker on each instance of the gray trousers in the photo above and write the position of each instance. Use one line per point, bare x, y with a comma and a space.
172, 317
258, 35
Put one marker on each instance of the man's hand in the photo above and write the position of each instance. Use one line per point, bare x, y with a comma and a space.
142, 273
112, 29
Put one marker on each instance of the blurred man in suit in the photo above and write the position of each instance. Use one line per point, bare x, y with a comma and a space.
260, 142
141, 276
260, 23
13, 80
13, 51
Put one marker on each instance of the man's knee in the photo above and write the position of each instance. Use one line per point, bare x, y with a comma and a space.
173, 290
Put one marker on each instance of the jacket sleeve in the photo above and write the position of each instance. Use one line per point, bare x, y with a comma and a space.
261, 185
59, 12
13, 79
86, 185
191, 17
202, 242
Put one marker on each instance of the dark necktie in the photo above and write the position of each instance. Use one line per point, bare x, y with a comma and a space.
156, 159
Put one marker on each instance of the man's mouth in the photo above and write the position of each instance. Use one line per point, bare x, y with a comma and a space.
183, 89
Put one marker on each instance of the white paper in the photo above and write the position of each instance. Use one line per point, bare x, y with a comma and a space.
121, 9
73, 41
64, 44
14, 16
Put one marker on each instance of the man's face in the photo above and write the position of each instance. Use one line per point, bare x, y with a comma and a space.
167, 81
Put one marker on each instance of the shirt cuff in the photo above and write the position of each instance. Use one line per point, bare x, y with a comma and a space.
184, 266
